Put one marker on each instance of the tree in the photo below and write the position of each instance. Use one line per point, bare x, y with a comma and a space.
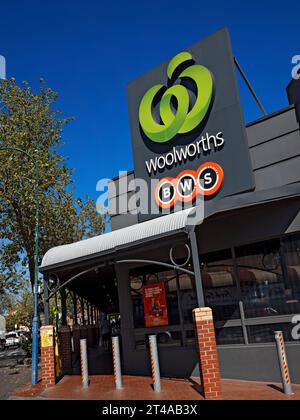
10, 285
21, 313
29, 121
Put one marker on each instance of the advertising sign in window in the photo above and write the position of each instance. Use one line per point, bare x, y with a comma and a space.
155, 305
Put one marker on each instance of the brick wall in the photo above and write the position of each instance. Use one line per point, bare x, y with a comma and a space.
207, 352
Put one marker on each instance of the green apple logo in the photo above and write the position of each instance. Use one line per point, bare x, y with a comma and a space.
183, 119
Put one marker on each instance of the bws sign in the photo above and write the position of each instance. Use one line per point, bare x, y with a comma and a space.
206, 181
187, 127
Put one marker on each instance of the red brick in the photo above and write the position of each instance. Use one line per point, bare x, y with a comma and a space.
208, 358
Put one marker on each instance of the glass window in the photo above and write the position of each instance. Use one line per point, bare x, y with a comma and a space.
266, 333
164, 339
190, 337
291, 255
232, 335
188, 297
264, 284
220, 286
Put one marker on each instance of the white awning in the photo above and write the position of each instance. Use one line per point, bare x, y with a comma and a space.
110, 241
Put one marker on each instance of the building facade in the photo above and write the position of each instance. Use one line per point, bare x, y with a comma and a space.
242, 260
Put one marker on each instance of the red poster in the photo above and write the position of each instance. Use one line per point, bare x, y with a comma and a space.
155, 305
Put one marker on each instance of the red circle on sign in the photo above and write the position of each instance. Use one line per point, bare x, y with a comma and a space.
159, 202
217, 169
191, 196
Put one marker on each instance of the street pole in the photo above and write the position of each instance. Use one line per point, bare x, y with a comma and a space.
35, 321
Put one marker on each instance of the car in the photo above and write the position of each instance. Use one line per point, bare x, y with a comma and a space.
12, 340
2, 340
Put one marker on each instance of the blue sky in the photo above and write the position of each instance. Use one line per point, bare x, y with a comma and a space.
89, 50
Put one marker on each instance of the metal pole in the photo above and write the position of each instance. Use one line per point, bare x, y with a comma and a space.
154, 363
75, 308
84, 364
249, 86
117, 362
88, 313
283, 364
63, 300
35, 322
46, 302
82, 311
243, 320
197, 269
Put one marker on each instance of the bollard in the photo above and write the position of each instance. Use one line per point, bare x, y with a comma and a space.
117, 362
84, 364
284, 369
154, 363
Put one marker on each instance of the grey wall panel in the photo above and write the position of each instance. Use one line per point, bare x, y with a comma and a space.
247, 225
123, 220
258, 363
279, 149
282, 173
253, 363
122, 204
121, 185
272, 127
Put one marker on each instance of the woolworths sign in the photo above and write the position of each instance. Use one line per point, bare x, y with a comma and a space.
187, 127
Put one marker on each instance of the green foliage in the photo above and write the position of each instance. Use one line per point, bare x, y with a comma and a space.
10, 285
29, 121
21, 313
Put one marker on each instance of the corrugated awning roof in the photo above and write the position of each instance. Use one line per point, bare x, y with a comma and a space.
156, 228
110, 241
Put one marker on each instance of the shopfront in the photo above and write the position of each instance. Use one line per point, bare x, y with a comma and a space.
242, 259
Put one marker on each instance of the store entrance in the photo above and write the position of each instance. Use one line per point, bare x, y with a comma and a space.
89, 306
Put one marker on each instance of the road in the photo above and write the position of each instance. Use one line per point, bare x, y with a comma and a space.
12, 374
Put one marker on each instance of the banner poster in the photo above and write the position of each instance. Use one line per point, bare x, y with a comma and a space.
155, 305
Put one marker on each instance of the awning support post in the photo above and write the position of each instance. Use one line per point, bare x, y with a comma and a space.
46, 302
197, 269
82, 311
63, 306
74, 298
88, 313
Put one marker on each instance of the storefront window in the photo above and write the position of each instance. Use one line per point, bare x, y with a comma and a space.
291, 255
188, 297
220, 286
265, 280
266, 333
232, 335
263, 277
164, 339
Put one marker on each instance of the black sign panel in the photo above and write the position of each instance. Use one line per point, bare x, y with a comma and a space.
186, 113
